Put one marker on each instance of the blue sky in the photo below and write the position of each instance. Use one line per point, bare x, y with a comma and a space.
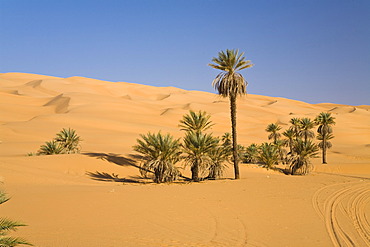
310, 50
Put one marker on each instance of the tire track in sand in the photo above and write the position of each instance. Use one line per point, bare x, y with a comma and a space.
343, 209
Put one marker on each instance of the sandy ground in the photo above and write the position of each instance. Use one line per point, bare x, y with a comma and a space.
93, 199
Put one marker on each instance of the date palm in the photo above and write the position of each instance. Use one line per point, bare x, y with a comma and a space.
230, 83
196, 121
196, 149
219, 156
160, 154
50, 148
305, 129
299, 159
325, 121
296, 126
289, 134
69, 140
251, 154
268, 155
273, 129
7, 225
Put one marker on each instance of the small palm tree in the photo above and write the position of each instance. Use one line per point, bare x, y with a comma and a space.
227, 140
305, 129
324, 120
230, 83
69, 140
219, 156
196, 121
50, 148
299, 159
273, 129
160, 154
251, 154
197, 148
268, 155
6, 226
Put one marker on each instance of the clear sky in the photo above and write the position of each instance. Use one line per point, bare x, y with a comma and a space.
310, 50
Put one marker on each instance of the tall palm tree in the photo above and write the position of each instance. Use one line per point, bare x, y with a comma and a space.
160, 154
196, 121
299, 159
305, 130
230, 83
324, 120
289, 134
6, 226
196, 148
273, 129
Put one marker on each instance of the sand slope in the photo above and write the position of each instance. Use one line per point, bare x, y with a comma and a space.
91, 199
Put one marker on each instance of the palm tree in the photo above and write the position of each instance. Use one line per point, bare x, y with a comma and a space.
219, 155
50, 148
305, 130
324, 120
197, 148
274, 130
296, 126
226, 140
196, 121
69, 140
299, 159
280, 144
289, 134
268, 155
230, 83
6, 226
251, 154
160, 154
325, 144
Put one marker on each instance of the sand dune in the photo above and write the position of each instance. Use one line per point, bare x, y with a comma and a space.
94, 199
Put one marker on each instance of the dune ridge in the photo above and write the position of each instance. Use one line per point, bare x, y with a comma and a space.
92, 199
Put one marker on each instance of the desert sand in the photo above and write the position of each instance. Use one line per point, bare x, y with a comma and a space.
92, 199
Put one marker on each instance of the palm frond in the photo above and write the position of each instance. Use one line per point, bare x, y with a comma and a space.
230, 82
196, 121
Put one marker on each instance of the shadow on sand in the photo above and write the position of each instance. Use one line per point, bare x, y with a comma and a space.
123, 161
106, 177
117, 160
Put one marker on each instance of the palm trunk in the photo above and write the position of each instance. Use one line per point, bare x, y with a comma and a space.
235, 143
324, 151
195, 172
